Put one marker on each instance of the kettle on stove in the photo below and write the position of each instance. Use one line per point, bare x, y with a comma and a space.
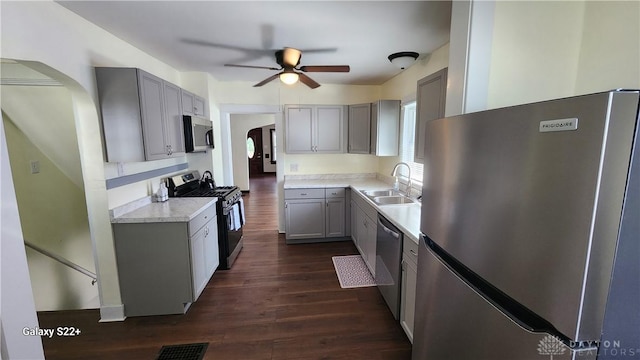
207, 181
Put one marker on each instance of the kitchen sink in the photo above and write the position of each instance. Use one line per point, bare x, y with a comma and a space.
389, 200
374, 193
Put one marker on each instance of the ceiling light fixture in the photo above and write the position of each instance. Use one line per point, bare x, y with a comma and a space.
289, 77
403, 59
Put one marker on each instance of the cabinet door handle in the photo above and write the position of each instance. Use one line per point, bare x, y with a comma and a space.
303, 194
286, 205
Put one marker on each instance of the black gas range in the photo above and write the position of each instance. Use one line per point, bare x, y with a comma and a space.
229, 208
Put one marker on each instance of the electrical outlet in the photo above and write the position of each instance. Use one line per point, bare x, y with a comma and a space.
293, 167
35, 166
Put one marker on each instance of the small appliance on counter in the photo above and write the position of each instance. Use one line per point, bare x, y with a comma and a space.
162, 194
229, 208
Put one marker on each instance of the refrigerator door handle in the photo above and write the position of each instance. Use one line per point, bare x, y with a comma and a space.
518, 313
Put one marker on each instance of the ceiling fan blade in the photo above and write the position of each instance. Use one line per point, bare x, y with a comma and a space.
291, 57
319, 50
308, 81
252, 67
325, 68
270, 78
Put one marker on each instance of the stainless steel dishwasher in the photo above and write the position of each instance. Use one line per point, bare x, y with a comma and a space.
388, 257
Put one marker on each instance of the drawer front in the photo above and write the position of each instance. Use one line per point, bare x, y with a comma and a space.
410, 250
304, 193
204, 217
330, 193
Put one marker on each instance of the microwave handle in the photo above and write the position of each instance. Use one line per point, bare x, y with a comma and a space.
209, 138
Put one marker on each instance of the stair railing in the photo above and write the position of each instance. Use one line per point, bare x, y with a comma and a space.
63, 261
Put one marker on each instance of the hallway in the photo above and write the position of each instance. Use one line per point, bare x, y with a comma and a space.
278, 301
261, 203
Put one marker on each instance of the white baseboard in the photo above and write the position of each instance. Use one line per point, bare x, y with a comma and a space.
112, 313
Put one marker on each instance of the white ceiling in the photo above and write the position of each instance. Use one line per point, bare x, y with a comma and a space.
205, 35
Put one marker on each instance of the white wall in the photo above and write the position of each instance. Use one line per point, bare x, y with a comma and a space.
536, 48
53, 215
542, 50
46, 33
17, 308
610, 47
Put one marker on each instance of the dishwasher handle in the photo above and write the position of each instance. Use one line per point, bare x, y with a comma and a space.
387, 230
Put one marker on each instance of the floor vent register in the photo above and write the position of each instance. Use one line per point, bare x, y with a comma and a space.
183, 352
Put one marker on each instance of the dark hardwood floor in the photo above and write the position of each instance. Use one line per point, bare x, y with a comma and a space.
277, 302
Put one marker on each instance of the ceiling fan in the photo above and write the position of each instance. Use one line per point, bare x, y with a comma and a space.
290, 73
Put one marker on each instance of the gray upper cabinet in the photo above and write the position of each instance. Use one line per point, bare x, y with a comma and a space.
375, 128
385, 127
299, 129
314, 129
140, 115
193, 104
360, 128
173, 112
200, 107
431, 97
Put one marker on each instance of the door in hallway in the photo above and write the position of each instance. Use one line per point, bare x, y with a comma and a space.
254, 152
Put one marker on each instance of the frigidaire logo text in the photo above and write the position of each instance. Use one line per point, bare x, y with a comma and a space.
558, 125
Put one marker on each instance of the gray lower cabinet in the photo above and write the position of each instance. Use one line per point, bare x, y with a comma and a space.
335, 216
430, 104
305, 218
316, 214
364, 230
164, 267
408, 286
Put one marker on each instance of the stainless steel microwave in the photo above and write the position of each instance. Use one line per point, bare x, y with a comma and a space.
198, 134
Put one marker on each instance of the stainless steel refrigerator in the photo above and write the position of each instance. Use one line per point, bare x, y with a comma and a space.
530, 236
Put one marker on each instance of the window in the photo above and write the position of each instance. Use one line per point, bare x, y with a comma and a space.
408, 143
251, 148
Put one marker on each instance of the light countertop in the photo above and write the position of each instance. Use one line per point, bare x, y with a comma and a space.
405, 216
172, 210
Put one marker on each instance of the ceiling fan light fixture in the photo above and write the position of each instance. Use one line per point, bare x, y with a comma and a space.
289, 78
403, 59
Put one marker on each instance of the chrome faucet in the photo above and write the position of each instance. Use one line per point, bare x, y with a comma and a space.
394, 174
